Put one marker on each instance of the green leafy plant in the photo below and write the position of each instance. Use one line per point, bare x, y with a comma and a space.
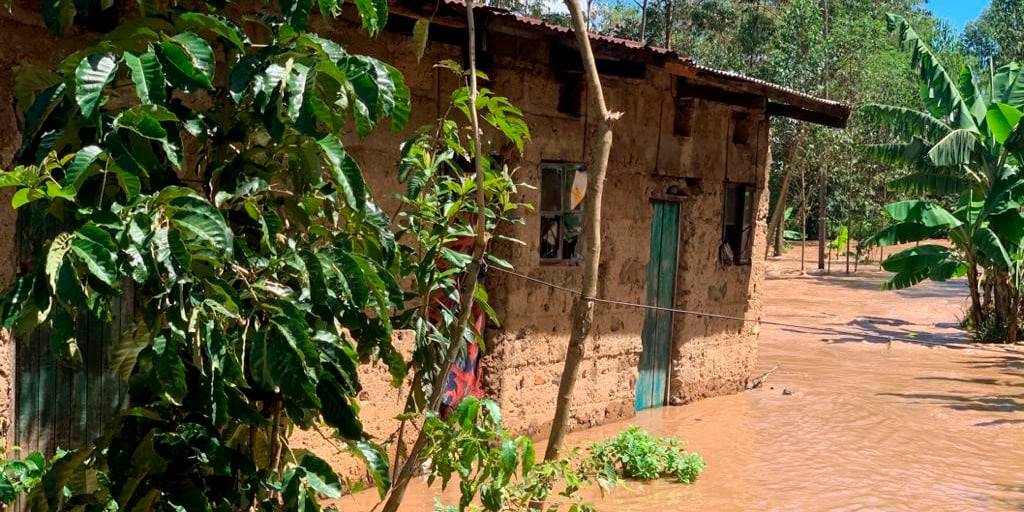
500, 471
639, 455
205, 173
437, 218
18, 477
969, 142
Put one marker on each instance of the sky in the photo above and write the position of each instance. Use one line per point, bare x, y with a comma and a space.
957, 12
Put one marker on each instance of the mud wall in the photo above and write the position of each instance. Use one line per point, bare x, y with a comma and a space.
525, 355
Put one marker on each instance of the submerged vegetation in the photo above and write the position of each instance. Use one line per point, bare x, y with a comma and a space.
640, 455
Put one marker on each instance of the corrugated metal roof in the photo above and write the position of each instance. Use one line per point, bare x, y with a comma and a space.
638, 46
765, 83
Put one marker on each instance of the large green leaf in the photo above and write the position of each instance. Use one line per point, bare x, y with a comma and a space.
402, 108
148, 76
37, 114
937, 182
922, 212
344, 171
301, 85
170, 371
374, 14
376, 461
955, 149
904, 154
906, 123
287, 361
939, 90
972, 94
191, 60
916, 264
93, 74
1008, 85
140, 121
200, 221
1002, 120
94, 247
991, 247
216, 24
241, 75
126, 349
320, 476
899, 233
59, 248
419, 37
1009, 225
30, 80
80, 164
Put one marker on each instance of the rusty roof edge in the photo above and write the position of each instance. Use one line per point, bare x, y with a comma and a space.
774, 91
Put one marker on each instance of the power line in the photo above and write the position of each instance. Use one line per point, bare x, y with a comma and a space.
704, 314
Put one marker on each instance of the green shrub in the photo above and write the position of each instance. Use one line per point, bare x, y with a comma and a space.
19, 476
641, 456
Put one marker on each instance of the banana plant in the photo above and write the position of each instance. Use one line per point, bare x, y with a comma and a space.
967, 142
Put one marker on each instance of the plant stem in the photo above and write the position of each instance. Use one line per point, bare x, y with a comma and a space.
583, 309
275, 436
466, 293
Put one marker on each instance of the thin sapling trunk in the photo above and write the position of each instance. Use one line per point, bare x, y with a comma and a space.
466, 292
583, 309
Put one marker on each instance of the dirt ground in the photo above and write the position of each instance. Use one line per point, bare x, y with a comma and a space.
845, 422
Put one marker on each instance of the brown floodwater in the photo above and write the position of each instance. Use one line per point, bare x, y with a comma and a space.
844, 422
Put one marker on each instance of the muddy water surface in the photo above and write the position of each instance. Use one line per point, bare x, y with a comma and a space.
846, 422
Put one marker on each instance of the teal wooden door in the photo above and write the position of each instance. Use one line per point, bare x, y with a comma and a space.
652, 386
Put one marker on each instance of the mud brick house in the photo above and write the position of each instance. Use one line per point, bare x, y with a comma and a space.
685, 220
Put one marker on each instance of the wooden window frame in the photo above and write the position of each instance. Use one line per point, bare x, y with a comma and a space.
740, 244
565, 171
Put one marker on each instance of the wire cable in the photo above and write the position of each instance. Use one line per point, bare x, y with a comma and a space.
704, 314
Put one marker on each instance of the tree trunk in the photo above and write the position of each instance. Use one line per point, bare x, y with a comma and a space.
803, 222
668, 24
823, 186
643, 22
583, 309
468, 285
972, 283
1011, 336
775, 225
779, 241
1003, 297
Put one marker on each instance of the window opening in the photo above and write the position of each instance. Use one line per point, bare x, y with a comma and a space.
562, 189
737, 224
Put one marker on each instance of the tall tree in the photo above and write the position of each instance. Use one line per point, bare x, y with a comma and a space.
583, 309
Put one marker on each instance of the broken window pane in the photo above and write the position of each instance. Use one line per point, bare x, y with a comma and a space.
572, 231
563, 188
550, 233
737, 224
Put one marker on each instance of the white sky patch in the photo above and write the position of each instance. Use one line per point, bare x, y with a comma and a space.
557, 6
